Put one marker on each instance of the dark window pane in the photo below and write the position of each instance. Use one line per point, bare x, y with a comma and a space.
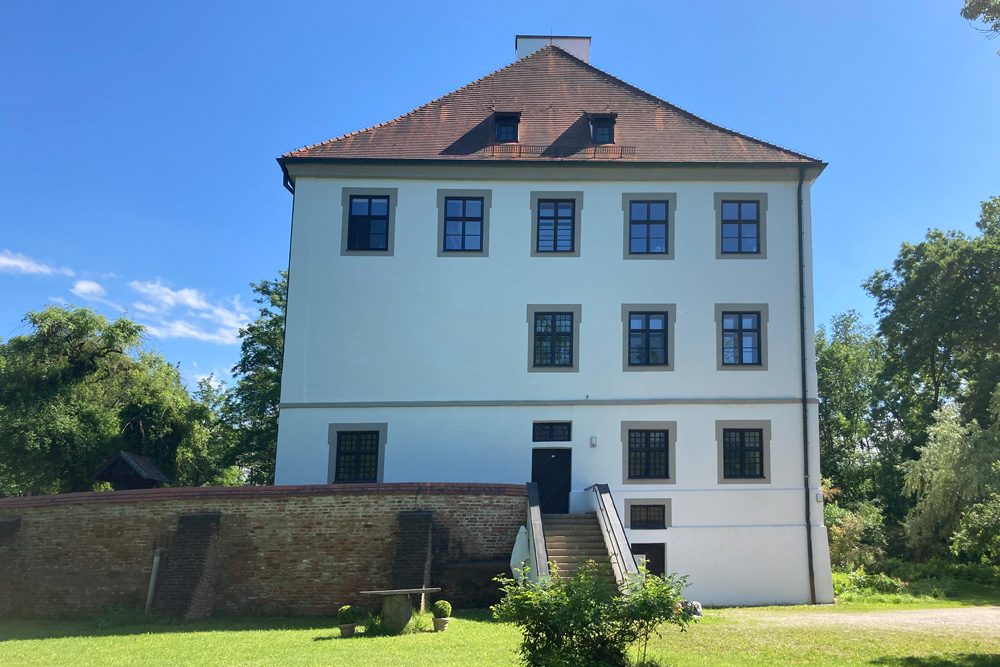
453, 227
453, 243
658, 231
637, 211
658, 210
730, 211
380, 206
748, 211
359, 205
637, 245
453, 208
474, 208
473, 243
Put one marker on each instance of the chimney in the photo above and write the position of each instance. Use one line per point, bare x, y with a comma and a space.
576, 46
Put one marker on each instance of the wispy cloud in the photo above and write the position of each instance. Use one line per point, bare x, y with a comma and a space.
92, 291
13, 262
187, 313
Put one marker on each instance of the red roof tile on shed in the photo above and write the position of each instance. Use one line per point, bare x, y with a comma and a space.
554, 91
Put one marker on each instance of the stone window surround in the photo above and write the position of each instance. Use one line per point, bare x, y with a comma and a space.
667, 509
487, 197
671, 199
765, 426
761, 199
577, 197
334, 429
671, 428
741, 308
577, 311
345, 199
671, 310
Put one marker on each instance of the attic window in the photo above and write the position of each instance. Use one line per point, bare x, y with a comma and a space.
506, 127
602, 128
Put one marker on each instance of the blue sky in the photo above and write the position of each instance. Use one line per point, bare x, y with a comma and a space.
137, 140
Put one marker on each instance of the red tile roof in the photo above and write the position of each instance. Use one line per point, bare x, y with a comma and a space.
554, 92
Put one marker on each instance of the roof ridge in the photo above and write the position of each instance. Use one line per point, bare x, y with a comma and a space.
659, 100
426, 104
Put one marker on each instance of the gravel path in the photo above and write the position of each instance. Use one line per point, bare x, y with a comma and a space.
973, 619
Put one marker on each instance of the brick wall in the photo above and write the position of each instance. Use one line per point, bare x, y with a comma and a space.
281, 549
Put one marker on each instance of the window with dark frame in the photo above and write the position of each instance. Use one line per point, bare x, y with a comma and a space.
741, 339
647, 454
506, 128
553, 340
357, 456
603, 130
743, 453
551, 432
368, 223
740, 227
647, 516
463, 224
556, 225
647, 227
647, 339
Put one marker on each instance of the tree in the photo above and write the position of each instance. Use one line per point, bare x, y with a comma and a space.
988, 11
252, 408
957, 468
78, 388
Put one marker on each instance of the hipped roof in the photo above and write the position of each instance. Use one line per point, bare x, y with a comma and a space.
555, 93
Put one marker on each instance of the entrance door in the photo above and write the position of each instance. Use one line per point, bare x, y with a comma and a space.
550, 469
656, 557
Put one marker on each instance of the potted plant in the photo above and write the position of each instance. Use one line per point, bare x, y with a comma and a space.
442, 614
347, 618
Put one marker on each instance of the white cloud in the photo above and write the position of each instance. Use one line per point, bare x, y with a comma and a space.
187, 313
88, 289
12, 262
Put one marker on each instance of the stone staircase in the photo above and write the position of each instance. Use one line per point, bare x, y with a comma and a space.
572, 539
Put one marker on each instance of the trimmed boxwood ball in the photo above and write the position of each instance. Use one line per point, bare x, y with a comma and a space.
441, 609
347, 615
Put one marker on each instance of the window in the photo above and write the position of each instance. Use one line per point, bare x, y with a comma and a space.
556, 231
356, 452
649, 233
602, 129
551, 431
555, 224
506, 127
647, 516
742, 336
744, 451
648, 452
369, 221
647, 513
648, 336
463, 223
554, 338
740, 224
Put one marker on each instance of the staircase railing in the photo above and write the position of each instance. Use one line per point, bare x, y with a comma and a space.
622, 562
538, 555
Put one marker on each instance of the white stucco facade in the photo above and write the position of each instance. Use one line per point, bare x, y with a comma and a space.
435, 350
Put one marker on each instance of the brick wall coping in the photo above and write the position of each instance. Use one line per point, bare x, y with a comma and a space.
236, 492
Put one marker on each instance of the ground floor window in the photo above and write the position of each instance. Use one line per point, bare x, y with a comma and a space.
357, 453
655, 555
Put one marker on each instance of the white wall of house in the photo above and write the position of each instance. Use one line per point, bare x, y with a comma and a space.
410, 339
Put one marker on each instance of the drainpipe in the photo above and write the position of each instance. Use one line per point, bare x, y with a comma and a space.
153, 576
805, 385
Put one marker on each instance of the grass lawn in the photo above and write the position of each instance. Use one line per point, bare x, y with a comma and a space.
758, 636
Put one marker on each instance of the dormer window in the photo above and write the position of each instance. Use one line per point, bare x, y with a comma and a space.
506, 127
602, 128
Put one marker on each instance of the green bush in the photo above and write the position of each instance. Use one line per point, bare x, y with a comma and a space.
347, 615
584, 621
441, 609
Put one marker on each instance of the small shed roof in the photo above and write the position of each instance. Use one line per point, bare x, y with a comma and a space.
142, 466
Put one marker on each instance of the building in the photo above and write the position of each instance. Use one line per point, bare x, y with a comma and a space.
550, 274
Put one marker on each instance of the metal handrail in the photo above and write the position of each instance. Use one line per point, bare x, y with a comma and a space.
622, 561
536, 535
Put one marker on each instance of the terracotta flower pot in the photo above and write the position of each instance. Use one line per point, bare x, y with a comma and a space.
441, 624
347, 630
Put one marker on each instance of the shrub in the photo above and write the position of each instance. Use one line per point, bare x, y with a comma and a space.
583, 621
347, 615
441, 609
857, 537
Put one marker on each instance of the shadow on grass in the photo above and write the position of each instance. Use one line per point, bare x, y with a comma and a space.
26, 629
963, 660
